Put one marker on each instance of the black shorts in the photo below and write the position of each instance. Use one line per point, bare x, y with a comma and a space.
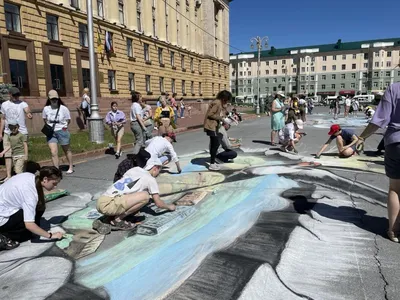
392, 161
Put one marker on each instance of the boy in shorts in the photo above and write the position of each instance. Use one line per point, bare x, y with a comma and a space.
128, 195
18, 146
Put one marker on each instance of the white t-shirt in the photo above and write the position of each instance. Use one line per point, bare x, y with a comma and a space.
14, 111
19, 192
134, 180
136, 109
62, 118
348, 101
158, 146
287, 133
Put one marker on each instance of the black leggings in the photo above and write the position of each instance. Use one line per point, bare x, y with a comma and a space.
15, 228
214, 145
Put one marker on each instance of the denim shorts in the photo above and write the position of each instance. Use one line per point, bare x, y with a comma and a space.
61, 137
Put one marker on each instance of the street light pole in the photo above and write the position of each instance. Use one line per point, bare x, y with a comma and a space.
258, 41
96, 127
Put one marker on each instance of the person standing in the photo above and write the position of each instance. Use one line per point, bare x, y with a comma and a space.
56, 114
18, 145
302, 108
137, 125
147, 113
336, 109
116, 119
174, 106
182, 108
278, 116
388, 114
356, 106
13, 109
212, 123
85, 105
22, 204
164, 118
347, 103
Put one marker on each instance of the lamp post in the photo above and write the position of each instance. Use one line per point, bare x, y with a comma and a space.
96, 127
258, 41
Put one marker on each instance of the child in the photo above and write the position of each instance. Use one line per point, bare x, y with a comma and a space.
116, 120
18, 146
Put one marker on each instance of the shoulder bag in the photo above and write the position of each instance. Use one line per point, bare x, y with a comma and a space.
48, 130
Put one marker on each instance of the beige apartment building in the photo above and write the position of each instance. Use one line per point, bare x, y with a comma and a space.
152, 46
362, 67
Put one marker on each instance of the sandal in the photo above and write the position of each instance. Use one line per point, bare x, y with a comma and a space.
7, 244
100, 227
70, 172
122, 225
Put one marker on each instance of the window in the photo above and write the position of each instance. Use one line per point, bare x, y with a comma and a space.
334, 76
333, 86
365, 75
323, 87
334, 57
52, 27
389, 54
284, 62
311, 87
353, 75
100, 8
342, 86
353, 66
344, 56
302, 87
173, 60
334, 67
366, 65
275, 80
121, 12
343, 67
74, 3
173, 86
219, 69
249, 73
248, 90
388, 64
323, 68
303, 59
199, 66
376, 54
129, 47
183, 87
161, 83
241, 73
353, 85
343, 76
294, 70
160, 56
83, 35
284, 71
303, 78
249, 81
192, 65
267, 63
387, 73
200, 92
266, 80
146, 52
365, 55
375, 84
139, 15
323, 77
131, 79
283, 79
303, 69
364, 85
13, 21
274, 89
387, 84
376, 74
148, 84
324, 58
111, 80
266, 72
241, 65
312, 69
354, 56
213, 88
275, 62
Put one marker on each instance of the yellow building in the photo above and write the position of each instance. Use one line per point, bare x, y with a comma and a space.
151, 46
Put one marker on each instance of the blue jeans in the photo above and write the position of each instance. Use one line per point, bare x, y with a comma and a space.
176, 115
61, 137
182, 111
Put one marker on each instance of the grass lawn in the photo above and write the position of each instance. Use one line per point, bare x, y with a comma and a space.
80, 142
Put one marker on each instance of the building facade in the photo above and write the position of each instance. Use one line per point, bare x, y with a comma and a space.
151, 46
343, 68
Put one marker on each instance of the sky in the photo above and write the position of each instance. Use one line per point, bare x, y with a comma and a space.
290, 23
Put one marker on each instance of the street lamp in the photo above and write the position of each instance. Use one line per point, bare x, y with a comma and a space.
96, 127
260, 43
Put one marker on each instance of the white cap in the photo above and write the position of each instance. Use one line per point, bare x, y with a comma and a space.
281, 94
153, 161
300, 124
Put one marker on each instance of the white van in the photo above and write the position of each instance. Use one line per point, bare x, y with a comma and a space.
364, 98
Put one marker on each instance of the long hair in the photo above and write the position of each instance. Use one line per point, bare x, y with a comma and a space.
50, 173
59, 102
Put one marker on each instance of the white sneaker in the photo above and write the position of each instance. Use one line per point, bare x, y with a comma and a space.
214, 167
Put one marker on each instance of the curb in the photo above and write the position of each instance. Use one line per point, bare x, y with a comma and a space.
80, 157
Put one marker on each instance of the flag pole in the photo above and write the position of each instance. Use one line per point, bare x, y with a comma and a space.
96, 126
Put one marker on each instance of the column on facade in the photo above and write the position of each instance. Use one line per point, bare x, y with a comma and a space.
316, 84
360, 81
225, 35
391, 76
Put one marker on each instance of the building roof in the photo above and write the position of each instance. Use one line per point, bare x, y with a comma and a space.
338, 46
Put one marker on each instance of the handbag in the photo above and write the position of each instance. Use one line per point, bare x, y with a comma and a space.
48, 130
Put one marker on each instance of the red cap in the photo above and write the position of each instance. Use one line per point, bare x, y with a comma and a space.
334, 128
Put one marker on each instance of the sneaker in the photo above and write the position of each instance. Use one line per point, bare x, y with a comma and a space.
117, 155
214, 167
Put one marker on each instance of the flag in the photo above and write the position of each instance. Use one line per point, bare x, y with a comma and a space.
99, 44
108, 43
